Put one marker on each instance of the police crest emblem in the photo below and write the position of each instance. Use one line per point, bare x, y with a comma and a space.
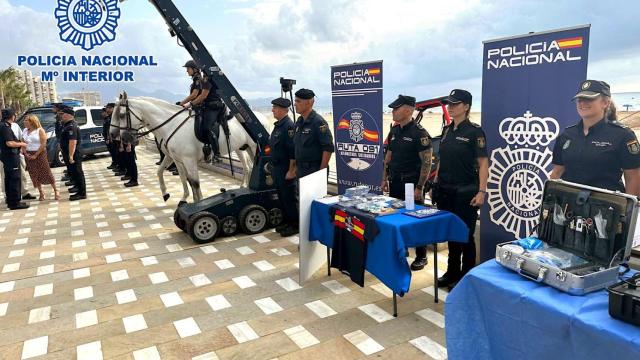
586, 85
356, 127
481, 142
290, 132
633, 147
425, 141
87, 23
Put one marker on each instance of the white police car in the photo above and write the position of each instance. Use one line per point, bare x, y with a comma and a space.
89, 120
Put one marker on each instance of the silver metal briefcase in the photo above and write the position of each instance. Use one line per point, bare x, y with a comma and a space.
592, 225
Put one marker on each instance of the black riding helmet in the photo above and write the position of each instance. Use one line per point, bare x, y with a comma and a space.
191, 64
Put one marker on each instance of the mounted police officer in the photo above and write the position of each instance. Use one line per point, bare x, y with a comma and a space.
70, 141
107, 111
282, 165
210, 110
598, 150
10, 155
312, 139
461, 181
407, 160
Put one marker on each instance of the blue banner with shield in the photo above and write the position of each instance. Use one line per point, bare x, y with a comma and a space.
357, 118
527, 85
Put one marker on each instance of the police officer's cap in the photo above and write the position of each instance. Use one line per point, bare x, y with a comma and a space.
57, 105
459, 96
403, 100
110, 105
590, 89
68, 110
191, 64
7, 113
281, 102
305, 94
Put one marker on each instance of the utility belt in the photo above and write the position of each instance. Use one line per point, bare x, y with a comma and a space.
451, 192
308, 164
213, 105
404, 176
279, 162
10, 151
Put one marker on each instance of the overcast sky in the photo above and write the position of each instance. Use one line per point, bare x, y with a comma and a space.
428, 47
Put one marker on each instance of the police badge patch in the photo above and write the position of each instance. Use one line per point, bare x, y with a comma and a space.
291, 133
633, 147
481, 142
323, 128
425, 141
566, 144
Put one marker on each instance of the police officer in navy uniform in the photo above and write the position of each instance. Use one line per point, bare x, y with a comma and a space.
461, 181
10, 156
70, 141
312, 139
282, 165
210, 109
407, 160
597, 151
129, 142
107, 111
57, 109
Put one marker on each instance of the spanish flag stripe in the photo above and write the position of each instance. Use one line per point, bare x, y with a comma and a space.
374, 71
570, 46
371, 137
573, 42
358, 235
341, 213
570, 43
339, 218
358, 229
357, 222
570, 39
339, 224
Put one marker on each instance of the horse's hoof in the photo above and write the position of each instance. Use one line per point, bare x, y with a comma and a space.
166, 197
182, 202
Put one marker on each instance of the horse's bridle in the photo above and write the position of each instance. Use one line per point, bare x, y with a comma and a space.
136, 131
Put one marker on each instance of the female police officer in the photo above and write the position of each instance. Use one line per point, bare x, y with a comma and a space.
461, 180
597, 151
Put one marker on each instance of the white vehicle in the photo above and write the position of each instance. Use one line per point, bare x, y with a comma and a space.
89, 120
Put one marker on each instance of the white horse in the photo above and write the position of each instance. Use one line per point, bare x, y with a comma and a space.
178, 140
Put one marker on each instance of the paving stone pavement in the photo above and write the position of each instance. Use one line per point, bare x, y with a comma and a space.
111, 277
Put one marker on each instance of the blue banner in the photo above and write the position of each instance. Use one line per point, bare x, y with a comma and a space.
357, 123
527, 85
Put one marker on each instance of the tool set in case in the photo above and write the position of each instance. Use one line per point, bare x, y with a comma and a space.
584, 234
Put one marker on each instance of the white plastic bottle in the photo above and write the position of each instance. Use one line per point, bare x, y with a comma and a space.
408, 196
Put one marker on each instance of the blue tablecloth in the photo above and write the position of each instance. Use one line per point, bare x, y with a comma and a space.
494, 313
386, 254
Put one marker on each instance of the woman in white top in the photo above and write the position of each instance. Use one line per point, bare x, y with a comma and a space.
36, 156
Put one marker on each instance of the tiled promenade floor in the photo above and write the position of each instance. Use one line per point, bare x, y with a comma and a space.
112, 277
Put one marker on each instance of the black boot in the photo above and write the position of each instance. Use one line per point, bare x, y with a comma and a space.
418, 264
289, 231
206, 149
448, 279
